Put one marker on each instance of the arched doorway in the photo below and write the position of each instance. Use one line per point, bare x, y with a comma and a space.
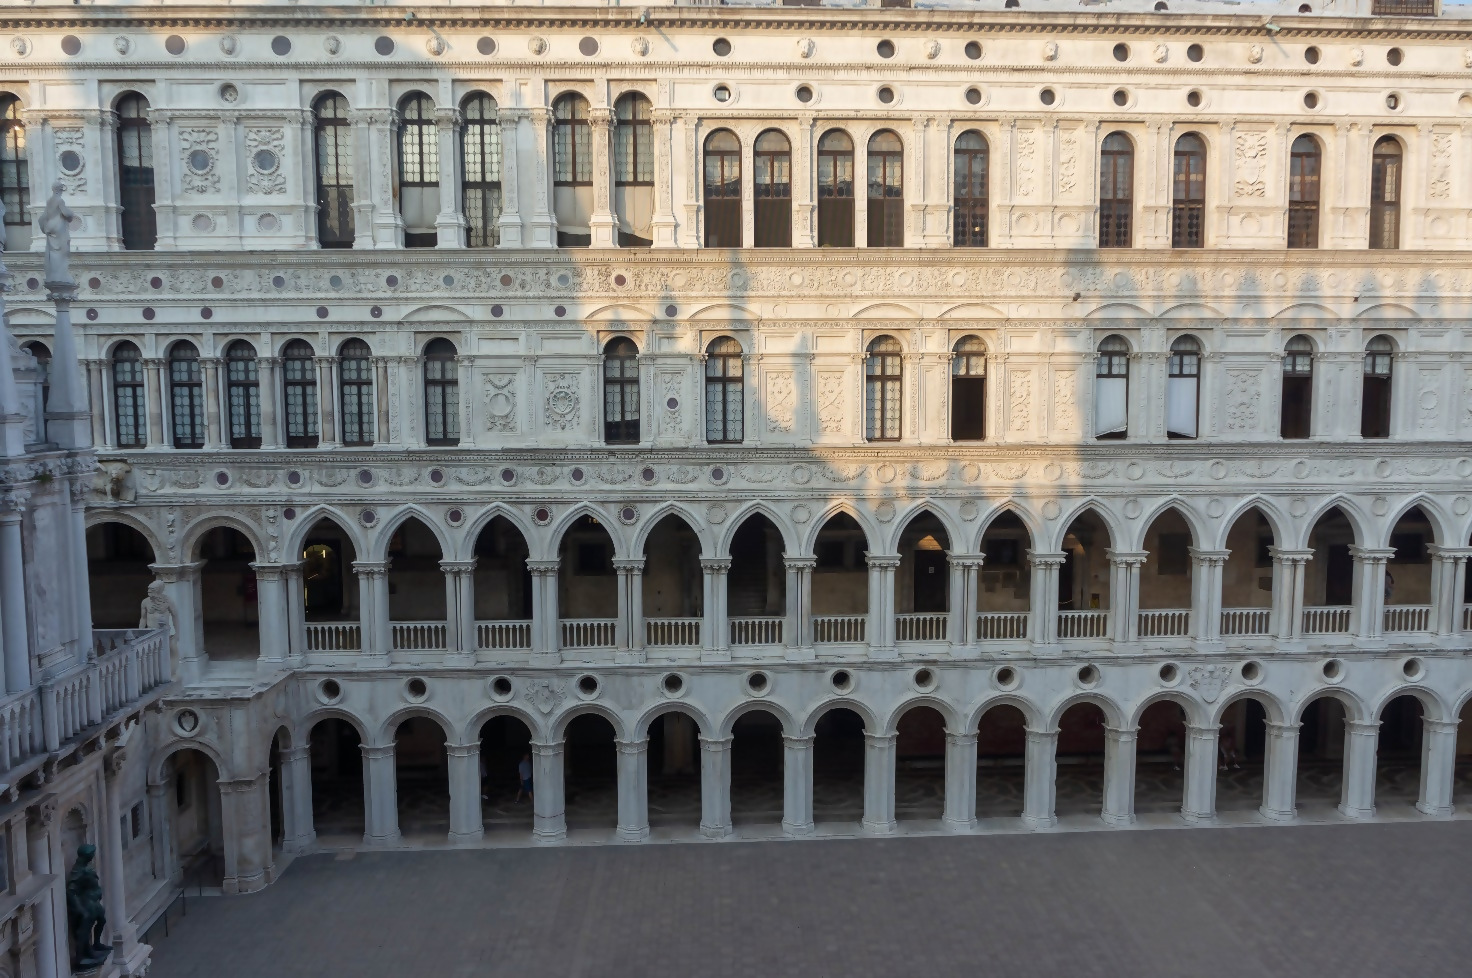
1165, 578
838, 768
275, 796
1407, 587
1242, 756
920, 765
1004, 584
587, 586
1398, 768
1247, 576
118, 574
590, 773
417, 599
503, 587
672, 592
674, 771
1084, 580
505, 764
229, 599
756, 769
1321, 753
756, 586
1328, 589
1001, 759
1160, 759
329, 591
337, 782
922, 584
840, 582
1080, 758
195, 823
422, 779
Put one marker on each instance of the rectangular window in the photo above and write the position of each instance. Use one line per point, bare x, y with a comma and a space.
968, 408
1403, 8
1297, 406
358, 407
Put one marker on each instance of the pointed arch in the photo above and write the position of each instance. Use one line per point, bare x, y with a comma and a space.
1116, 530
1281, 524
682, 512
378, 546
1358, 521
872, 534
955, 537
305, 522
1441, 526
790, 536
1035, 530
565, 522
1200, 531
476, 526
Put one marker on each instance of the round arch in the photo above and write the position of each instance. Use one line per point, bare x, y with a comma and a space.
1354, 707
195, 532
102, 517
810, 722
948, 712
1432, 706
559, 725
1113, 715
1196, 711
1032, 714
647, 718
471, 732
165, 751
394, 720
738, 711
1271, 705
308, 722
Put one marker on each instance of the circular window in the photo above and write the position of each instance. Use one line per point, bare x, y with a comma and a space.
486, 45
72, 45
973, 95
673, 684
329, 691
1195, 52
588, 47
842, 681
501, 687
1392, 102
542, 516
886, 95
281, 45
1333, 670
70, 160
804, 94
1121, 52
1047, 96
973, 50
1169, 673
1311, 55
924, 679
1006, 678
1121, 97
885, 49
1413, 669
1193, 98
384, 45
722, 93
199, 161
416, 688
758, 683
229, 93
1394, 56
265, 161
721, 47
174, 44
1088, 675
588, 685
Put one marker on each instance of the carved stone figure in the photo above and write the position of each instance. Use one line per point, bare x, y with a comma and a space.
84, 911
56, 225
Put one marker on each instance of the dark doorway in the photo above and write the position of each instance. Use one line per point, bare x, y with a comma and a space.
1339, 578
930, 576
322, 576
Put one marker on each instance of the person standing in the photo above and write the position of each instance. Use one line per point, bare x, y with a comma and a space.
524, 771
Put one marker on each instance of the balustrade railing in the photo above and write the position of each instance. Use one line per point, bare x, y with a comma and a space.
828, 629
1083, 624
21, 729
334, 636
1326, 621
1246, 621
588, 633
992, 625
756, 631
1408, 618
418, 636
663, 632
1163, 622
509, 634
920, 627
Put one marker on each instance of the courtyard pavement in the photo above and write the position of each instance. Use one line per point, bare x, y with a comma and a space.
1379, 899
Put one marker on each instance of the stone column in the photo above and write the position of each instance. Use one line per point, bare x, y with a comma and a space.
270, 430
1042, 624
381, 796
373, 623
1368, 618
1448, 583
1124, 593
880, 626
273, 627
1199, 803
101, 436
715, 787
663, 223
629, 628
466, 822
449, 224
633, 790
180, 587
153, 375
1288, 574
1357, 799
13, 592
1280, 772
715, 630
214, 433
543, 225
1438, 767
550, 819
798, 629
797, 785
110, 866
546, 629
604, 227
965, 569
296, 799
384, 432
459, 606
510, 220
160, 804
1118, 807
327, 393
296, 613
879, 759
960, 804
1206, 593
245, 816
77, 489
1039, 779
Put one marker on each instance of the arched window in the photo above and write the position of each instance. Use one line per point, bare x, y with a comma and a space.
441, 394
621, 392
480, 157
572, 171
1304, 166
968, 389
15, 177
1375, 404
129, 402
971, 190
1116, 191
1188, 193
883, 389
243, 395
772, 188
334, 150
419, 170
723, 392
835, 190
1183, 388
356, 392
633, 171
299, 383
886, 190
1298, 388
135, 173
186, 396
1385, 168
1112, 388
722, 190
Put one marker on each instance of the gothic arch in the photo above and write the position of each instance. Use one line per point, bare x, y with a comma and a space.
1281, 525
1199, 531
954, 535
1117, 533
678, 509
304, 523
1357, 520
385, 533
1035, 530
872, 534
734, 523
475, 527
1440, 524
553, 536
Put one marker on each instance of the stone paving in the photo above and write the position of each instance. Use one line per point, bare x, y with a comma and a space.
1344, 900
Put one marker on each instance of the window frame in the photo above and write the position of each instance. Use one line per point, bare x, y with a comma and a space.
1387, 175
1182, 362
727, 358
572, 142
1298, 370
1377, 387
967, 231
299, 393
884, 391
441, 378
772, 212
1305, 191
129, 395
243, 395
1188, 209
336, 224
1117, 213
356, 395
137, 219
886, 209
838, 205
15, 172
480, 170
621, 388
1112, 362
969, 367
723, 217
187, 381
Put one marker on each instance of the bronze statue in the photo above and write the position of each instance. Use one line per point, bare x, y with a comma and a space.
84, 911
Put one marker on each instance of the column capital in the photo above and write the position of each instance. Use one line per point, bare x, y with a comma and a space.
633, 746
716, 743
798, 743
796, 563
628, 565
1045, 558
1121, 733
377, 753
1135, 558
881, 560
543, 566
1283, 555
371, 568
1363, 728
268, 572
541, 749
965, 560
960, 739
463, 750
1441, 726
175, 573
1036, 736
715, 565
1209, 556
1282, 729
1371, 555
880, 740
301, 752
1448, 553
458, 566
1201, 730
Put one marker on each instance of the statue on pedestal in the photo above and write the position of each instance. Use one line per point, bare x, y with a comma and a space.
56, 225
84, 909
